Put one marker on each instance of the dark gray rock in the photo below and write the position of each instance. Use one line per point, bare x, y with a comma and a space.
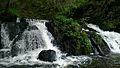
47, 55
14, 50
4, 53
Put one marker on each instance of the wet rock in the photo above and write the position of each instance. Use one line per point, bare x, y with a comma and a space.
14, 50
98, 44
4, 53
32, 28
47, 55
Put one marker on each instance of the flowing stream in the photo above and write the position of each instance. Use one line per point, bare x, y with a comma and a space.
30, 43
111, 38
25, 48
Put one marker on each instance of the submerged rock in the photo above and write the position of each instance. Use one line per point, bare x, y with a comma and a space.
47, 55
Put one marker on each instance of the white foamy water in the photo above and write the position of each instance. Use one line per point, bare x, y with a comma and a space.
5, 36
111, 38
33, 41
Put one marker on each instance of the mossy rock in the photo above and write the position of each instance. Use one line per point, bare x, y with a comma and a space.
98, 43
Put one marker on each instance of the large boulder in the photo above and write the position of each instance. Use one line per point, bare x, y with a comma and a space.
47, 55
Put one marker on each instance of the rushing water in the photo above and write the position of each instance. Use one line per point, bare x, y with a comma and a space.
111, 38
5, 36
31, 42
37, 38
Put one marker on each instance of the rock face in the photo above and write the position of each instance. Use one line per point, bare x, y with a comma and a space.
47, 55
98, 44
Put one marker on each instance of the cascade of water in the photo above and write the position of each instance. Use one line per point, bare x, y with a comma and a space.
35, 39
45, 35
5, 37
111, 38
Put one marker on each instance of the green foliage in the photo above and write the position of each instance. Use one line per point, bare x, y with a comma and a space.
108, 25
70, 5
84, 40
105, 13
1, 10
85, 43
69, 28
41, 9
13, 11
99, 40
69, 16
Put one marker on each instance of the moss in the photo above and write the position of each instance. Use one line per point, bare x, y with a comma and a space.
86, 46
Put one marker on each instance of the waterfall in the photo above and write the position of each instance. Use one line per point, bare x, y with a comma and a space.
111, 38
4, 37
35, 38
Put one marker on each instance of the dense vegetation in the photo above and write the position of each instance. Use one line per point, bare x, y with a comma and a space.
68, 17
